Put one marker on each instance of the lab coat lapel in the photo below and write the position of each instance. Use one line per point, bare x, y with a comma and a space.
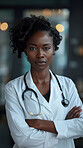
56, 98
31, 85
54, 106
56, 93
42, 100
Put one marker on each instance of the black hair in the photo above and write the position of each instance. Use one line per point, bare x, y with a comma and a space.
26, 27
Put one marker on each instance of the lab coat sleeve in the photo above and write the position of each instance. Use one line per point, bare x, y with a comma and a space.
22, 134
72, 128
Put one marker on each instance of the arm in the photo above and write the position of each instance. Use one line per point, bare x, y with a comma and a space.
72, 126
22, 134
44, 125
48, 126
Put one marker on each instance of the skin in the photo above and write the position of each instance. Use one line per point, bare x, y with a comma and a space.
39, 49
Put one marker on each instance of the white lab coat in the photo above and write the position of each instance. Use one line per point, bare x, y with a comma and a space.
17, 110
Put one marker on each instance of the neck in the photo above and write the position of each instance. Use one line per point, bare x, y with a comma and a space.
40, 76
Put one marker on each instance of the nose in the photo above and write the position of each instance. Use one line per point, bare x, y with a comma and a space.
40, 53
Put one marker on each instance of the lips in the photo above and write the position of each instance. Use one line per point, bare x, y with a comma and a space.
40, 63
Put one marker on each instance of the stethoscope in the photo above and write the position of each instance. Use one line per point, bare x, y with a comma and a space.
64, 101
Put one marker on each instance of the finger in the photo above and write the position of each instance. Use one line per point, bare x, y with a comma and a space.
77, 109
71, 112
77, 113
74, 109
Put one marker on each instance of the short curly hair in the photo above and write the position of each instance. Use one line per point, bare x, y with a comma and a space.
26, 27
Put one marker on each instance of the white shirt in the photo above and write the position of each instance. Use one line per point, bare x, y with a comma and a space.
17, 110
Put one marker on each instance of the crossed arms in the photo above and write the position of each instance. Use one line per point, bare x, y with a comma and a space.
49, 126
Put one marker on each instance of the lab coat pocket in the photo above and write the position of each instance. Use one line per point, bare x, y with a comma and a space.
32, 105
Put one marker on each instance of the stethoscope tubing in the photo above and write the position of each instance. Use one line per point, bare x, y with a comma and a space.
64, 101
27, 88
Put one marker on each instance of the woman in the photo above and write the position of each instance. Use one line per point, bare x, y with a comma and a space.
38, 114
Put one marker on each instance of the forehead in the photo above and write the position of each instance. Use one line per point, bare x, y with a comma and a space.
40, 37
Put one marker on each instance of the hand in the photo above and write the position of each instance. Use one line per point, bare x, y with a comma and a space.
74, 113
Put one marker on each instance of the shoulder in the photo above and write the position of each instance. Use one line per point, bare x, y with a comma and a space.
14, 83
65, 82
67, 85
64, 79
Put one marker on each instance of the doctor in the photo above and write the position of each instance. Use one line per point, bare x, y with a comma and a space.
43, 110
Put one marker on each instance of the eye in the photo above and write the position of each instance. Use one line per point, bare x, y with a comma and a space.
47, 48
32, 48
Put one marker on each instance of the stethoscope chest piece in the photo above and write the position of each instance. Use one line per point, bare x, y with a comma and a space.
65, 102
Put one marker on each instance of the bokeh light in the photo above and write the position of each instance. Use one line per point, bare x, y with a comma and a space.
4, 26
47, 12
60, 27
59, 11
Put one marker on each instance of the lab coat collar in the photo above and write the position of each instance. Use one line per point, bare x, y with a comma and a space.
31, 84
42, 100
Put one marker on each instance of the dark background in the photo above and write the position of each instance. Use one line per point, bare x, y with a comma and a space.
75, 40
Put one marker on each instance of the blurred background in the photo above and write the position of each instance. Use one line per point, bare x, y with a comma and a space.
67, 17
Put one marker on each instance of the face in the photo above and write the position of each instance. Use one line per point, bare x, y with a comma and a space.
40, 50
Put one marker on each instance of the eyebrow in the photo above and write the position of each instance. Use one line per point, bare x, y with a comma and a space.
36, 45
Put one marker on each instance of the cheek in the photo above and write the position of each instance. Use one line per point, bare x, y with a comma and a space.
30, 56
49, 58
29, 59
50, 54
